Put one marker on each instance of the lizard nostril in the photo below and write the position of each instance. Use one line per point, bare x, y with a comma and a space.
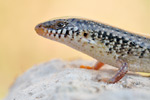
39, 29
38, 26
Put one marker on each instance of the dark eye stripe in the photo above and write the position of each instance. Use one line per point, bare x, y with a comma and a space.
60, 24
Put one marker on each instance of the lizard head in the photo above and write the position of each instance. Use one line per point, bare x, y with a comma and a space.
73, 32
63, 29
59, 28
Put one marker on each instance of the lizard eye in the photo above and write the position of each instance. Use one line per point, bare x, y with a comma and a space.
61, 24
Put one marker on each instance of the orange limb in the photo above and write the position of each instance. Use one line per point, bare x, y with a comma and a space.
96, 67
123, 69
86, 67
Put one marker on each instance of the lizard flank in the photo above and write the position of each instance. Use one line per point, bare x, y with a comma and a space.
105, 43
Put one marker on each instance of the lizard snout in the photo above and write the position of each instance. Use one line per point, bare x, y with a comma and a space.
39, 29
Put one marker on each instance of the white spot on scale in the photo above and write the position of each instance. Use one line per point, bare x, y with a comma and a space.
108, 33
113, 43
96, 34
49, 31
89, 25
114, 34
112, 31
147, 51
97, 29
126, 38
121, 41
94, 26
120, 36
58, 31
81, 31
106, 37
52, 36
69, 28
64, 31
137, 46
54, 31
129, 43
84, 40
144, 47
102, 32
111, 46
115, 39
56, 36
139, 50
82, 24
92, 42
70, 32
101, 36
75, 28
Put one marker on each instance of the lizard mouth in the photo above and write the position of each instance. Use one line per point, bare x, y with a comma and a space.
44, 31
39, 29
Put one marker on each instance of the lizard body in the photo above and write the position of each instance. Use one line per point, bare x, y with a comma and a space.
103, 42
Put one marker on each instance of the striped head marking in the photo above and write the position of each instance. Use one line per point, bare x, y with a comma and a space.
57, 29
74, 32
64, 30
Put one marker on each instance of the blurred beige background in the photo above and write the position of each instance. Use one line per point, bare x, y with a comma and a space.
21, 47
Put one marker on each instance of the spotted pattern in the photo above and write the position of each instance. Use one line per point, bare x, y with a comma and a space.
120, 45
116, 40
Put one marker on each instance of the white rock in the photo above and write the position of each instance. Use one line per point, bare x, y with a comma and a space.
61, 80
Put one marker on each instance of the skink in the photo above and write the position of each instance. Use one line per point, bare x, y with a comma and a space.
107, 44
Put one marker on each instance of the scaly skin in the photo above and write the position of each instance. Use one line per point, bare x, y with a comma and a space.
105, 43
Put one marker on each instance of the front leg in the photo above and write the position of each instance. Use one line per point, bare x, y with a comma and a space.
123, 69
97, 66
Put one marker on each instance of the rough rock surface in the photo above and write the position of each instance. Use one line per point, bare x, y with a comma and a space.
62, 80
